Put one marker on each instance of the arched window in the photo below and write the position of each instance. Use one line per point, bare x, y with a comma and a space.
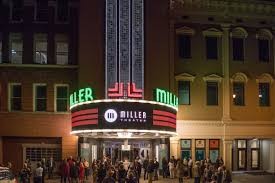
264, 37
184, 35
212, 37
238, 94
238, 36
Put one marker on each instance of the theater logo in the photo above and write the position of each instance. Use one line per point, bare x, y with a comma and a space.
112, 115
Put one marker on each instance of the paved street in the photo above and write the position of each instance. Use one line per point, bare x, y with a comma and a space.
237, 178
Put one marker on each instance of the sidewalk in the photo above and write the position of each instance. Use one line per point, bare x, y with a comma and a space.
238, 178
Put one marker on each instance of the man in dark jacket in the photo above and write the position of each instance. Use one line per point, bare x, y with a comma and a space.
74, 172
145, 166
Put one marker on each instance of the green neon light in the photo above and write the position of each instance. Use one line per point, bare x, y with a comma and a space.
165, 97
82, 95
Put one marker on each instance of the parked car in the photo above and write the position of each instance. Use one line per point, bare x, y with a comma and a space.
6, 176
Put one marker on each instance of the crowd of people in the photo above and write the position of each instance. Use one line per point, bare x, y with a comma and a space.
105, 171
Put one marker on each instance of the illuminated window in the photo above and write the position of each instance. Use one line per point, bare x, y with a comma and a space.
184, 92
212, 93
16, 10
16, 48
184, 45
40, 102
61, 97
15, 95
211, 47
62, 49
40, 45
41, 11
238, 94
264, 94
62, 11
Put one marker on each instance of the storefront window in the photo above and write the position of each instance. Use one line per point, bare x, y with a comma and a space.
200, 150
213, 150
185, 148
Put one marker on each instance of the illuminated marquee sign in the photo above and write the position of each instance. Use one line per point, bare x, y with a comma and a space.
118, 114
82, 95
111, 115
165, 97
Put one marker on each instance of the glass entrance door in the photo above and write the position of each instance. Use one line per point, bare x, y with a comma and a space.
255, 158
242, 159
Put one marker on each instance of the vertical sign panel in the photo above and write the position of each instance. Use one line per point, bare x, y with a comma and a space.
111, 44
138, 43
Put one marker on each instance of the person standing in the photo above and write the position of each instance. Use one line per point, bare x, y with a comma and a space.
227, 178
74, 173
64, 170
171, 169
190, 167
164, 167
81, 172
25, 174
86, 168
43, 165
150, 171
50, 166
38, 173
196, 172
156, 169
145, 166
180, 170
220, 174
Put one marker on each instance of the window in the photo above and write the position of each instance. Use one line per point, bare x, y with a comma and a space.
211, 48
40, 97
40, 45
16, 10
184, 92
263, 46
62, 11
238, 94
62, 49
184, 46
37, 153
185, 145
0, 48
238, 49
41, 13
15, 95
212, 93
264, 94
16, 48
61, 94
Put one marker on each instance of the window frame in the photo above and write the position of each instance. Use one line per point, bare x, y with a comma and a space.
36, 13
232, 47
15, 36
11, 12
61, 38
38, 38
189, 94
10, 85
34, 96
269, 50
206, 47
259, 90
181, 36
217, 92
233, 93
56, 14
55, 97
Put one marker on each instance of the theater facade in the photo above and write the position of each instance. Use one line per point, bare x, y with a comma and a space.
147, 78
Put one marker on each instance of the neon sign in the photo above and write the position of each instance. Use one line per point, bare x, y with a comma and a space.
118, 91
82, 95
165, 97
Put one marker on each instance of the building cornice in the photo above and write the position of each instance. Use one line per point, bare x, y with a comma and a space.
212, 78
185, 77
38, 66
220, 123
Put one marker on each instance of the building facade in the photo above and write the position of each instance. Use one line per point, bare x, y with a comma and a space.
224, 73
38, 68
114, 56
